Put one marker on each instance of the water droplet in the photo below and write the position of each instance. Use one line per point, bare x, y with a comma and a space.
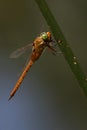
86, 79
74, 58
75, 63
59, 41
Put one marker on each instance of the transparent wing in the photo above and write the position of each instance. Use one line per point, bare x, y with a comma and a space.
20, 51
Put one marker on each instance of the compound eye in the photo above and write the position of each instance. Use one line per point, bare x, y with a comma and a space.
44, 36
49, 35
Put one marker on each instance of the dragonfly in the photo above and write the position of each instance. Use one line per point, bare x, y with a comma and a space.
44, 40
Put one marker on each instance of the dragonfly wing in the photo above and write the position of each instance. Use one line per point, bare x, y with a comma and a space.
20, 51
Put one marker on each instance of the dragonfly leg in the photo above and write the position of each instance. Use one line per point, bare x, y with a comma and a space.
53, 50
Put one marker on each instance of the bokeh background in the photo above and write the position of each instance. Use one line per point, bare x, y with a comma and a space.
50, 97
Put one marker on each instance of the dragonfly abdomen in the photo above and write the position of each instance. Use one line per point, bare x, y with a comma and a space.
29, 65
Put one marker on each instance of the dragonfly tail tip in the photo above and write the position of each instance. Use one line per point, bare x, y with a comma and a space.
10, 98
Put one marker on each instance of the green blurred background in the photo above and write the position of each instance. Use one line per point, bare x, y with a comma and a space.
49, 97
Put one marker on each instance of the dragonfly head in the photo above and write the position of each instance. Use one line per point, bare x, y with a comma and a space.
46, 36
